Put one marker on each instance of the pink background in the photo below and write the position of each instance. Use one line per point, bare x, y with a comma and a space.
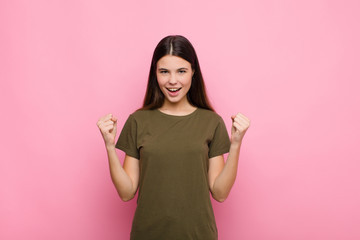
292, 67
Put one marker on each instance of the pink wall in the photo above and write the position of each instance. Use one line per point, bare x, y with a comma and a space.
292, 67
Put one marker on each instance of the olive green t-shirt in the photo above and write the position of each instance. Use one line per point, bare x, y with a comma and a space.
174, 151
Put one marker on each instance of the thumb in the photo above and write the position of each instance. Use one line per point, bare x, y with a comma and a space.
114, 119
233, 117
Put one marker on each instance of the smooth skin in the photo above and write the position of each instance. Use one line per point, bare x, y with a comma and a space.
174, 73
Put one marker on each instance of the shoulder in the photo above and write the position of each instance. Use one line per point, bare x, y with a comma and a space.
141, 115
210, 115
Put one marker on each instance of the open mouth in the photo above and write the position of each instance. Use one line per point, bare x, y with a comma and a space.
173, 90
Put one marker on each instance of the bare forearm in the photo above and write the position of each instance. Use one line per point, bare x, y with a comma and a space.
119, 177
227, 176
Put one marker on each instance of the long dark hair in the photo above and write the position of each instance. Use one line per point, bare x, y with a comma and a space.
179, 46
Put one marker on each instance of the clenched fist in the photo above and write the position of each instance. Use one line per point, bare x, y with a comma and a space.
240, 124
107, 126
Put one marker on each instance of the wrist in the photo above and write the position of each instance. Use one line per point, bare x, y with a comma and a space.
110, 147
235, 145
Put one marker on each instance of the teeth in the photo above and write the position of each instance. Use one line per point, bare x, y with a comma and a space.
173, 89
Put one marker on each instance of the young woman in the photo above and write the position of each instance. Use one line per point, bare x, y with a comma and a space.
174, 149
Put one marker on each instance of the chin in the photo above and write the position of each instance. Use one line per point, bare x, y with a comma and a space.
177, 100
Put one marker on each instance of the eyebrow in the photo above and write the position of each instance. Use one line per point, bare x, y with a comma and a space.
178, 69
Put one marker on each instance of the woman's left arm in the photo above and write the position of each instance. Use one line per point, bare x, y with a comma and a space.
222, 175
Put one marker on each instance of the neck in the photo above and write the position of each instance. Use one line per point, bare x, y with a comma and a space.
178, 108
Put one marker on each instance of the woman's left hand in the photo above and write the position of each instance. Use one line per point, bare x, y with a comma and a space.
239, 127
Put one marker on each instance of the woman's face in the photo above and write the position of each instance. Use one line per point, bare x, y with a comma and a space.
174, 76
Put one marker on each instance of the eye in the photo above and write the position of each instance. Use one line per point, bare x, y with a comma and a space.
163, 71
182, 71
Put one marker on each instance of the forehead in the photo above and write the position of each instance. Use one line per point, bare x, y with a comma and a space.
172, 62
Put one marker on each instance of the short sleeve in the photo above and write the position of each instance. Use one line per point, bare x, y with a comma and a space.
220, 142
127, 140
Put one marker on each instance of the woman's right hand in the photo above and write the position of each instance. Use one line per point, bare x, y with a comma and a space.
107, 126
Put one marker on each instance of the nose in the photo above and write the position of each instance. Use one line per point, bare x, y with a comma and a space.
172, 79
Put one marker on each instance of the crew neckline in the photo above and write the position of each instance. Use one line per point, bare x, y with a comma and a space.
177, 116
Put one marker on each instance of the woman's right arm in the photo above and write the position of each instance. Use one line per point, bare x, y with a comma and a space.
125, 178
